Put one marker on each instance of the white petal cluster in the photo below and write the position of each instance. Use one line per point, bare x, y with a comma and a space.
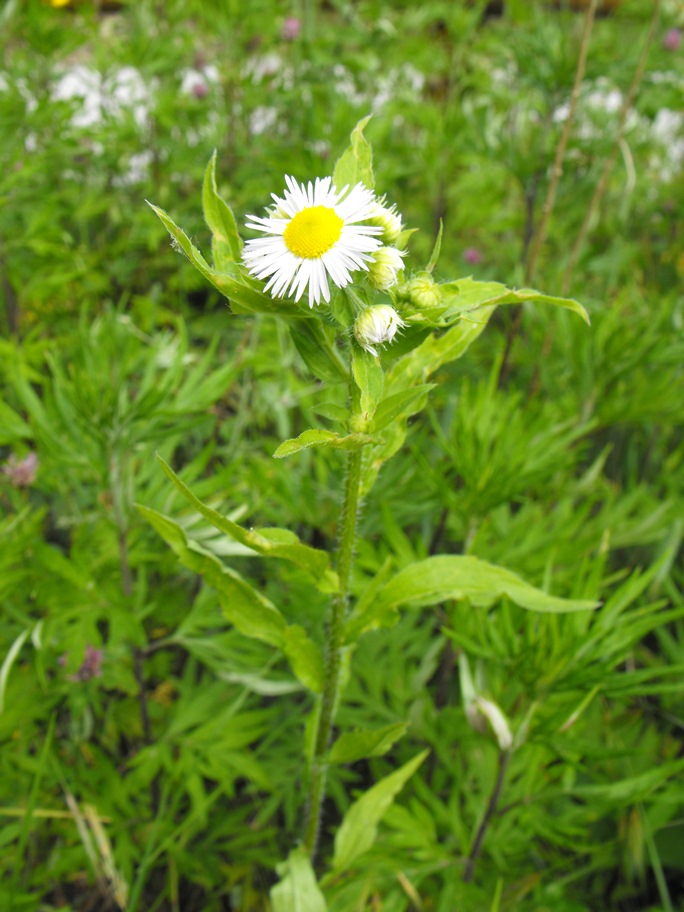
377, 326
271, 258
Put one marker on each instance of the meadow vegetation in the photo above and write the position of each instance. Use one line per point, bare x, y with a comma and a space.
508, 718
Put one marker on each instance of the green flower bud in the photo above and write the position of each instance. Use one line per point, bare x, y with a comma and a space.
383, 268
389, 220
423, 292
376, 326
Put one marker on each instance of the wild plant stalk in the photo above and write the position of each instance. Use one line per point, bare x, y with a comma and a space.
492, 804
602, 184
557, 167
539, 235
334, 650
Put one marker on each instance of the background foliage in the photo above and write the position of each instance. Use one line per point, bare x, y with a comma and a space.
149, 753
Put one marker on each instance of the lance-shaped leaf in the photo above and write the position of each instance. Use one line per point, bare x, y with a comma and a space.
12, 426
358, 745
355, 165
318, 437
436, 579
226, 242
248, 610
359, 829
467, 295
403, 404
407, 374
369, 379
436, 351
272, 542
244, 293
298, 890
318, 351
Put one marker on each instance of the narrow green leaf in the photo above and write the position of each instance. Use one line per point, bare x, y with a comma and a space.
8, 661
369, 378
244, 293
267, 542
226, 242
356, 164
298, 890
467, 295
332, 411
183, 241
359, 829
436, 249
12, 427
305, 657
633, 789
405, 403
318, 351
436, 351
317, 437
436, 579
358, 745
249, 611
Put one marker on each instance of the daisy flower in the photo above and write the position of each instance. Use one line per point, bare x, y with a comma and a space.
312, 232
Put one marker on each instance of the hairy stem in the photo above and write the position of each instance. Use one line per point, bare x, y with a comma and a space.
333, 662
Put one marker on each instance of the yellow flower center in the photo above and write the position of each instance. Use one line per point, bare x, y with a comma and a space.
313, 231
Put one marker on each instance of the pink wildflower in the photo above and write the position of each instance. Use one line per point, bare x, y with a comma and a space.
22, 472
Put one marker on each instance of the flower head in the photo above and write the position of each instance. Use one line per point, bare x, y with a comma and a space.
423, 292
291, 29
21, 472
387, 263
312, 232
377, 325
472, 255
672, 40
387, 218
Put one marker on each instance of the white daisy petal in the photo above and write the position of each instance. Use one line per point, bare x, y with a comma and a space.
311, 233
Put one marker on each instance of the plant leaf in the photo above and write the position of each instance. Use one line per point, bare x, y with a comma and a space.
250, 612
318, 437
359, 829
405, 403
226, 241
298, 890
267, 542
369, 379
318, 351
355, 165
358, 745
467, 295
436, 579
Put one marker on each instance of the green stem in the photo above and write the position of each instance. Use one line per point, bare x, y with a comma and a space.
335, 648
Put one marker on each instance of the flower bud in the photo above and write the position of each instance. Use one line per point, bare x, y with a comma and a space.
376, 326
383, 268
497, 720
423, 292
389, 220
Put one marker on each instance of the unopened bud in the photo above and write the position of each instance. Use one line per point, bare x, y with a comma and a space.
384, 267
387, 218
423, 292
376, 326
497, 720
